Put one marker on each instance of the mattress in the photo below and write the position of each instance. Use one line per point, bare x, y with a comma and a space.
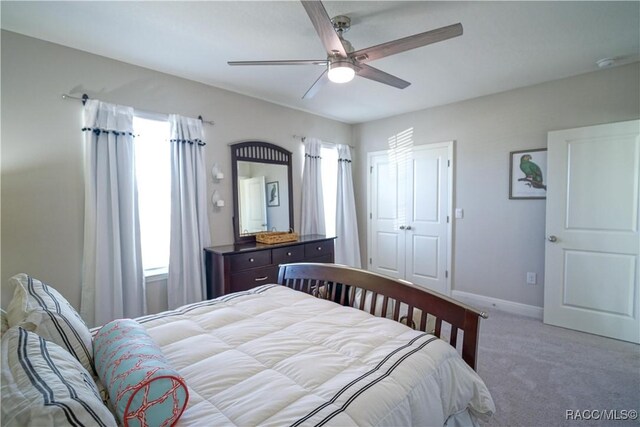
274, 356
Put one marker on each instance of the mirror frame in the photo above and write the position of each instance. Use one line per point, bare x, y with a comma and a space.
260, 152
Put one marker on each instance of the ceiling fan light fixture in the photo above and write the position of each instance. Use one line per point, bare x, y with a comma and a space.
341, 71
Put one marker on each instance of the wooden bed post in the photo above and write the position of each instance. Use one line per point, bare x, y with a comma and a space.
471, 337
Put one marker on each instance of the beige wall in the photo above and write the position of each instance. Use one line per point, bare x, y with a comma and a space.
499, 240
42, 155
496, 243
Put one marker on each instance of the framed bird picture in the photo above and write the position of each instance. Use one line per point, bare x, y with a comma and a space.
528, 174
273, 194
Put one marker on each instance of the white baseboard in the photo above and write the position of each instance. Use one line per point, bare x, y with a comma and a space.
498, 304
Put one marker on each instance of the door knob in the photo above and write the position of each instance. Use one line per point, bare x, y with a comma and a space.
408, 227
402, 227
552, 238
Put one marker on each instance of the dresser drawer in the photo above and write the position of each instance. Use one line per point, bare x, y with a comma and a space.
318, 249
247, 260
286, 255
252, 278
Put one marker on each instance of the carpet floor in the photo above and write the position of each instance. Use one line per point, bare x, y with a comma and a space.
536, 373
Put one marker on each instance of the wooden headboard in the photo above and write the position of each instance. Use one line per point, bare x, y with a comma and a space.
383, 296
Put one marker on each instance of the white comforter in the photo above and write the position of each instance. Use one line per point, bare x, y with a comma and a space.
274, 356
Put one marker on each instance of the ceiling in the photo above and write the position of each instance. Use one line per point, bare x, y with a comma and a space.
505, 45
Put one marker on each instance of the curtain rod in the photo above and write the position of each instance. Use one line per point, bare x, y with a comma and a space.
85, 97
303, 138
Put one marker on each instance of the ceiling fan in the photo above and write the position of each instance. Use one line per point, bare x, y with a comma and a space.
343, 62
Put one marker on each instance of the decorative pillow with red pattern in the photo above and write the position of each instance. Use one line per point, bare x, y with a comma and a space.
144, 389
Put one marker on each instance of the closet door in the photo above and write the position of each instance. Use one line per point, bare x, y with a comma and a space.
426, 231
409, 200
387, 215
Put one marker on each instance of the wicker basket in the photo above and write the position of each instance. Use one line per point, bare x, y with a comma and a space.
273, 237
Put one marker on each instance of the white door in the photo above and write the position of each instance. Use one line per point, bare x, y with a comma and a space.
387, 215
253, 205
591, 261
409, 203
426, 234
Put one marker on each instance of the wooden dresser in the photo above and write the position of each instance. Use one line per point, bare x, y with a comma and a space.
234, 268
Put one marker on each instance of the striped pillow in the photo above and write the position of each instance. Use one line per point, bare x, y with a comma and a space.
144, 389
39, 308
44, 385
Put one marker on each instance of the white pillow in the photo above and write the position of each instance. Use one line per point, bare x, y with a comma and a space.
39, 308
44, 385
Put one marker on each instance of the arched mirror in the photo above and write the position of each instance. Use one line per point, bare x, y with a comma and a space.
262, 189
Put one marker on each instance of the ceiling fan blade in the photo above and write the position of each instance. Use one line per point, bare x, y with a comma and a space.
322, 23
407, 43
380, 76
282, 62
316, 86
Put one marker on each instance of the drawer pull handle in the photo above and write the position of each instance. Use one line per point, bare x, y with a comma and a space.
250, 259
288, 253
319, 248
261, 279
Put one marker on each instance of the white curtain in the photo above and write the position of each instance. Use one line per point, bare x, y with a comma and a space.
112, 275
189, 222
312, 221
347, 242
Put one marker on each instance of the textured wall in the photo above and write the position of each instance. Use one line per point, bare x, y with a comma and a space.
499, 240
496, 243
42, 152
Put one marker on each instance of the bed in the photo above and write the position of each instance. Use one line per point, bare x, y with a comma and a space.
326, 345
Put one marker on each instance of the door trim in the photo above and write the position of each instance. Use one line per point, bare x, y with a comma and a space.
450, 145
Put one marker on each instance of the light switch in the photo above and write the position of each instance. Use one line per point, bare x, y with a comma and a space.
459, 213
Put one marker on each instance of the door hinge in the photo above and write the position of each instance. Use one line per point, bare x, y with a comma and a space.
370, 169
447, 219
370, 215
446, 274
370, 261
448, 163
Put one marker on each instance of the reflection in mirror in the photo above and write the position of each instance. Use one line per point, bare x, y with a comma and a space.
262, 189
252, 201
261, 210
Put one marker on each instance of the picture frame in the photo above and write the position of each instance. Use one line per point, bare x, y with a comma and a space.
528, 174
273, 194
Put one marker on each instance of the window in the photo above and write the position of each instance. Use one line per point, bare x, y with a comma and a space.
153, 173
329, 173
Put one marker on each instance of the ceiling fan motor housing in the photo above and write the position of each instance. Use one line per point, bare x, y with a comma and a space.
341, 23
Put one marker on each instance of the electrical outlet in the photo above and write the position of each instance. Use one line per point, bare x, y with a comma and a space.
531, 278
